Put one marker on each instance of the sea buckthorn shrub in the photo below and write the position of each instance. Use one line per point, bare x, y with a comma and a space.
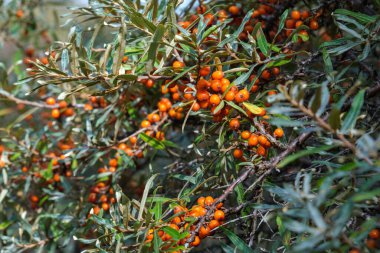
204, 126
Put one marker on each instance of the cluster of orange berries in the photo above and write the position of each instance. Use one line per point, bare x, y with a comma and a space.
30, 58
62, 108
183, 221
95, 102
253, 140
372, 242
101, 194
57, 170
131, 148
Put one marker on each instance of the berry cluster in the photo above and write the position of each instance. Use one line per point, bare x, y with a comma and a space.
184, 221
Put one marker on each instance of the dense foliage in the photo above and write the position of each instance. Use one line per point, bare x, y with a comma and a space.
210, 126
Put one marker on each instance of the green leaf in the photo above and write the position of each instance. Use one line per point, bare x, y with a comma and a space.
303, 153
351, 117
359, 16
236, 34
148, 185
239, 243
127, 78
253, 108
361, 196
153, 142
172, 232
327, 61
262, 42
156, 40
235, 106
282, 20
334, 118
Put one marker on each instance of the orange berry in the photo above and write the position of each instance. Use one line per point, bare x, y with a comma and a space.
305, 14
56, 177
176, 220
196, 107
354, 251
88, 107
374, 234
296, 15
203, 95
245, 135
201, 201
238, 153
176, 96
299, 23
24, 169
103, 198
174, 226
371, 243
173, 88
125, 59
204, 232
34, 198
225, 84
276, 71
203, 84
164, 89
156, 117
69, 112
50, 101
92, 197
178, 65
178, 209
230, 96
145, 124
201, 9
234, 10
133, 140
105, 206
215, 99
209, 201
234, 124
290, 23
205, 71
242, 95
217, 75
62, 104
209, 17
162, 107
113, 163
261, 151
216, 85
265, 74
213, 224
262, 139
219, 215
314, 25
19, 13
253, 140
149, 83
278, 133
55, 113
196, 241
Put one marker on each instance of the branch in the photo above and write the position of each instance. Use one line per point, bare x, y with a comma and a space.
265, 168
26, 102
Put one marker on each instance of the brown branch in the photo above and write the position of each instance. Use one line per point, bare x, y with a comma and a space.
26, 102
